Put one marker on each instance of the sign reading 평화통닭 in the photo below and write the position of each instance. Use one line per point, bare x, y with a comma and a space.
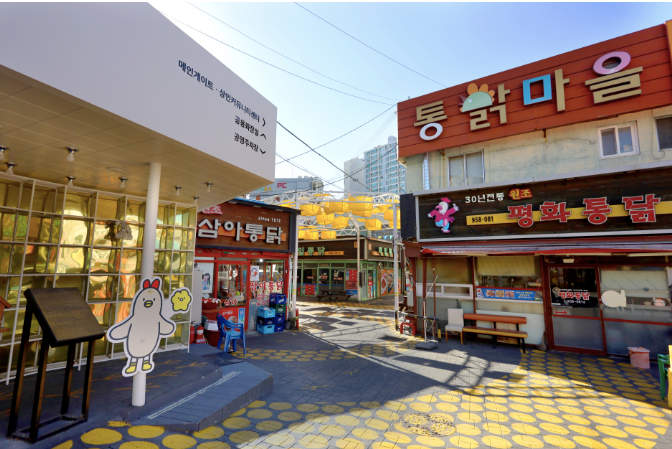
620, 204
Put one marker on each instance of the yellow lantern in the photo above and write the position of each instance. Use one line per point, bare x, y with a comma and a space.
340, 223
302, 235
389, 215
356, 206
312, 235
362, 213
325, 219
328, 235
373, 224
336, 207
309, 210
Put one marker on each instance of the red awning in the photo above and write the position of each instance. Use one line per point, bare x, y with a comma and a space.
547, 249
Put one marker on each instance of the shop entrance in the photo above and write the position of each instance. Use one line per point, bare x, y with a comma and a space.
233, 289
577, 321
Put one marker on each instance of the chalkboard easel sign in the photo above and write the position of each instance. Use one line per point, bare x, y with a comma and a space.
66, 320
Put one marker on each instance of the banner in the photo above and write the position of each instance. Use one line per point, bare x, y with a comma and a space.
524, 295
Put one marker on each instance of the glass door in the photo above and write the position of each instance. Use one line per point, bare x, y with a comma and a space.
323, 278
576, 315
338, 278
233, 289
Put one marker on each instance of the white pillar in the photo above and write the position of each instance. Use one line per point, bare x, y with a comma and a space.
396, 265
147, 267
295, 266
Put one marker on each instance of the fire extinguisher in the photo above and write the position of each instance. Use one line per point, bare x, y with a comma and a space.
192, 333
199, 335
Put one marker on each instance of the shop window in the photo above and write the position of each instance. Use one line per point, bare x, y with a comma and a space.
466, 169
232, 284
664, 131
620, 140
505, 274
647, 292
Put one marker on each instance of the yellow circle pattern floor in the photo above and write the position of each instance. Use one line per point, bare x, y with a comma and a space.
549, 401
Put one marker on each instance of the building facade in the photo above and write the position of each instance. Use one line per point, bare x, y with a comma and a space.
288, 185
103, 176
356, 181
243, 248
541, 192
384, 173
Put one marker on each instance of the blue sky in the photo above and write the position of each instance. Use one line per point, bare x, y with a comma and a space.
450, 43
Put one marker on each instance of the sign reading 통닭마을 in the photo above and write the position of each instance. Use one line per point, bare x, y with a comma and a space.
609, 78
148, 322
628, 203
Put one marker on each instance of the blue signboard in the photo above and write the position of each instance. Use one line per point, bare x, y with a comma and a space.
501, 293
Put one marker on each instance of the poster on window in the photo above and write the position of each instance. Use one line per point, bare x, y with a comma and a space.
233, 314
254, 273
501, 293
208, 270
572, 297
309, 289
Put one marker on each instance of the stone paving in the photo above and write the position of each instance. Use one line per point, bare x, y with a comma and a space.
349, 382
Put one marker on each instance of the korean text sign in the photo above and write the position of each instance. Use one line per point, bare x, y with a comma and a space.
622, 204
241, 226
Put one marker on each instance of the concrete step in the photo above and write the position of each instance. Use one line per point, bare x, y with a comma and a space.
240, 385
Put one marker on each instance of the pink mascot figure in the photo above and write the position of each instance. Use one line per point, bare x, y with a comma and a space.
442, 214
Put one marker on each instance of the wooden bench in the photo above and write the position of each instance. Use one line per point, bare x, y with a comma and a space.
494, 319
333, 293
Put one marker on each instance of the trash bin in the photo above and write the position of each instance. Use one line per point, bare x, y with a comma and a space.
639, 357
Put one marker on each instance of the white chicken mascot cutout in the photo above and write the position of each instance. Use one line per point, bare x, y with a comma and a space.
142, 330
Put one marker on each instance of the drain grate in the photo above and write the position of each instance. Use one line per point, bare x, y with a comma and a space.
391, 338
428, 424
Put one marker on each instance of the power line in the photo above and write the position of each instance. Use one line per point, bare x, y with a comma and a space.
341, 179
287, 57
368, 46
334, 140
319, 154
268, 63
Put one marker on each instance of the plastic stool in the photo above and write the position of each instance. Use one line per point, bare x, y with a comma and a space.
409, 324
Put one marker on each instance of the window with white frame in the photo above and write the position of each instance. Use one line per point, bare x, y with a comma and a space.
466, 169
664, 131
618, 140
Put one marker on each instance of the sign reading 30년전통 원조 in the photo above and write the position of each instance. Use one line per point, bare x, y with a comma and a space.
629, 203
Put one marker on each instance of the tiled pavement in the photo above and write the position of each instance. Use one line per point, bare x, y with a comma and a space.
345, 382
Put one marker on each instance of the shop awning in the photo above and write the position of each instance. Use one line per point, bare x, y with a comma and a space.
597, 250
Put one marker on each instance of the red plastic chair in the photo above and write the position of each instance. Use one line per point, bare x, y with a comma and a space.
410, 322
